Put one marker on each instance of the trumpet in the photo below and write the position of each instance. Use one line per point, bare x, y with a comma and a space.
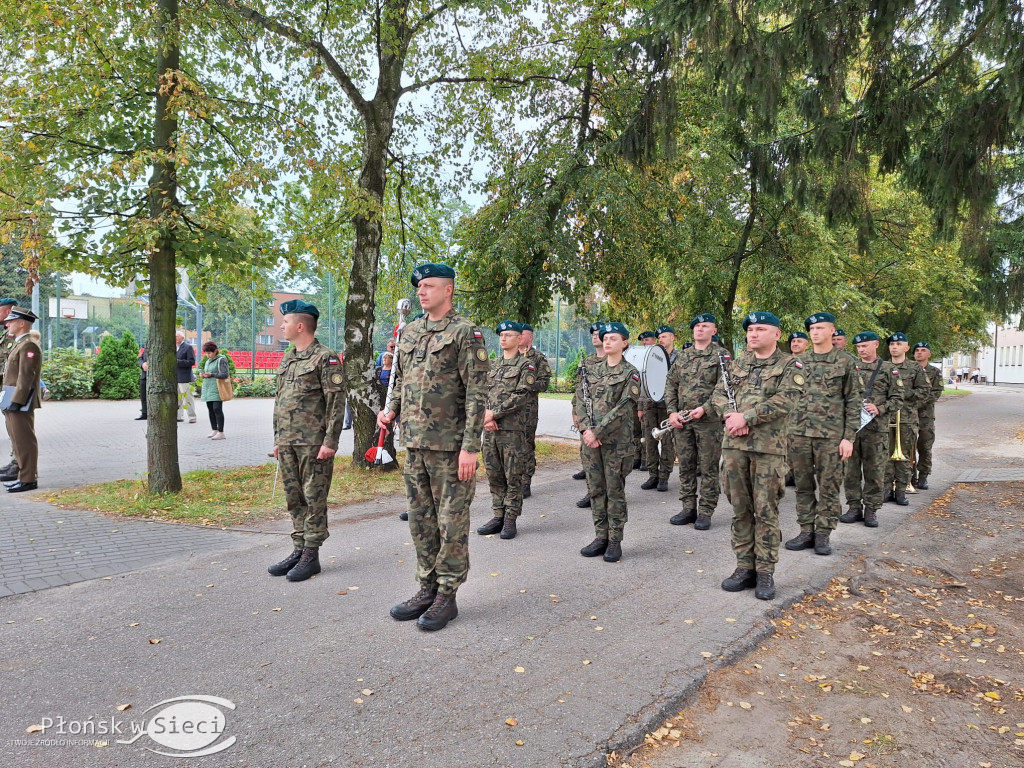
897, 453
666, 426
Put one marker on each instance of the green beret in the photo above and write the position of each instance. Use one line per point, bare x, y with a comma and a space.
819, 317
300, 307
8, 302
431, 270
715, 338
508, 325
863, 336
525, 327
595, 327
646, 335
665, 329
687, 345
838, 332
922, 345
898, 336
797, 335
707, 317
618, 328
761, 318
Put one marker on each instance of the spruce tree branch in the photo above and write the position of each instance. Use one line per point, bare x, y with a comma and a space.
957, 52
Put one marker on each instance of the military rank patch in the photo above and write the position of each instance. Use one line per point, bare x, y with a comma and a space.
798, 379
336, 378
481, 354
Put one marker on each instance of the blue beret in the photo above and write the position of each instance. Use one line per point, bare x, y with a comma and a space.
819, 317
863, 336
525, 327
595, 327
665, 329
797, 335
508, 325
618, 328
8, 302
687, 345
298, 306
761, 318
431, 270
898, 336
707, 317
838, 332
646, 335
922, 345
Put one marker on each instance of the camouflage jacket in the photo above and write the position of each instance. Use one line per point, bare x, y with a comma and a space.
542, 376
614, 391
440, 390
22, 371
916, 390
646, 403
886, 394
6, 345
510, 386
766, 391
692, 380
830, 407
926, 410
310, 403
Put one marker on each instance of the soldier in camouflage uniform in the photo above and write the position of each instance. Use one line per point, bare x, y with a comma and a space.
821, 434
440, 394
660, 455
9, 470
691, 383
506, 430
542, 376
590, 361
649, 414
926, 416
767, 383
605, 424
307, 422
880, 394
916, 392
798, 342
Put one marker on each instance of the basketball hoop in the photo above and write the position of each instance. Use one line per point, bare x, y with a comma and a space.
70, 316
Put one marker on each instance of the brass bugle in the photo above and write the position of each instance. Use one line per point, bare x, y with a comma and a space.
897, 454
666, 426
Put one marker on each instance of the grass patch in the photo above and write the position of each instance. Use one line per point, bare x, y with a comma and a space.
557, 395
954, 392
241, 495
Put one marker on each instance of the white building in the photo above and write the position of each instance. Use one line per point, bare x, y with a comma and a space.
1000, 363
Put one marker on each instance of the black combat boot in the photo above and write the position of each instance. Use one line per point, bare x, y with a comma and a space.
821, 545
790, 480
439, 613
870, 518
922, 483
663, 485
703, 522
527, 491
804, 541
581, 475
10, 474
403, 516
852, 515
638, 464
685, 517
890, 495
280, 569
8, 467
508, 528
583, 503
765, 586
308, 565
595, 548
614, 552
650, 483
901, 498
491, 526
742, 578
416, 605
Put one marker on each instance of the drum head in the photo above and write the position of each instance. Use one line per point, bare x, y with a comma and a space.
652, 362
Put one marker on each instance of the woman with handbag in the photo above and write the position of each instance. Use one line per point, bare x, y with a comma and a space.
217, 387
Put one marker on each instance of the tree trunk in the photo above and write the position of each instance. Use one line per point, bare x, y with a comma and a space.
161, 383
741, 253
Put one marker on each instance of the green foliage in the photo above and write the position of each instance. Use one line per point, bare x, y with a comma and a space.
68, 374
572, 369
116, 370
261, 386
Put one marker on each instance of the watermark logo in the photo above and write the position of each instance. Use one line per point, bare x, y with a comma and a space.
186, 726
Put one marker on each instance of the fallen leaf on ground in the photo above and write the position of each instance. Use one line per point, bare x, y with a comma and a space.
511, 721
123, 707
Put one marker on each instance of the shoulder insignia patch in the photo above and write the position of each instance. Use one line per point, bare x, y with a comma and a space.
30, 354
798, 364
531, 367
481, 354
332, 360
899, 382
636, 377
634, 389
336, 378
477, 335
529, 379
798, 379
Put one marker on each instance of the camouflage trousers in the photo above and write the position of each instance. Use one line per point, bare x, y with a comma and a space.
865, 469
530, 443
505, 461
699, 447
660, 455
306, 482
816, 463
754, 483
638, 434
438, 505
898, 472
607, 468
925, 441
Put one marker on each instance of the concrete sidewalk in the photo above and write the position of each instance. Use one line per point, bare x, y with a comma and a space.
584, 656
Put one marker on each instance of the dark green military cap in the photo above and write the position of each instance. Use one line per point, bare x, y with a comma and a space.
838, 332
819, 317
525, 327
687, 345
922, 345
898, 336
8, 302
665, 329
707, 317
761, 318
797, 335
431, 270
508, 325
595, 327
618, 328
300, 307
646, 335
863, 336
716, 338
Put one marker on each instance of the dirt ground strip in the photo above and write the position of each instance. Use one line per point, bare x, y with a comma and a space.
915, 659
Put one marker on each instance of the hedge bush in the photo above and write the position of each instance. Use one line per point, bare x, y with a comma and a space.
115, 374
68, 374
261, 386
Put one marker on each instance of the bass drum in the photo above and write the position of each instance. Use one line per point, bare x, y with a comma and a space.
652, 362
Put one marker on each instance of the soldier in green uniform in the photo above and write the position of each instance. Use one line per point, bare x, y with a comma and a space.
821, 434
22, 371
916, 391
926, 416
10, 470
766, 384
542, 376
590, 361
698, 442
880, 394
308, 411
440, 394
798, 342
660, 454
506, 427
604, 408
